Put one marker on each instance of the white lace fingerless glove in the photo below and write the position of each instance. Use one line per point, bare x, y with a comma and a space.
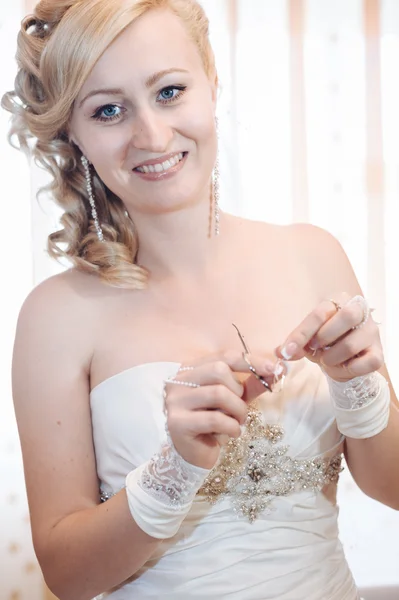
161, 491
361, 405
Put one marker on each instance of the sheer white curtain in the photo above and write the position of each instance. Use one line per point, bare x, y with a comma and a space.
20, 576
309, 130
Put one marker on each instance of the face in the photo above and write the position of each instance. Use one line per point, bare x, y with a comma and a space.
150, 131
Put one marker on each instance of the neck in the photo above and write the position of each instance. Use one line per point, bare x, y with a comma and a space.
180, 244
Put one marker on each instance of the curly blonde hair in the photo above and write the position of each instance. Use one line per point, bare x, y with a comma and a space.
58, 46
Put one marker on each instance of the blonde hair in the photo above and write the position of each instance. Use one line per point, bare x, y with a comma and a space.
58, 47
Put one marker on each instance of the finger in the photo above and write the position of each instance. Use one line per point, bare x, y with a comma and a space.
213, 373
253, 388
265, 367
369, 361
222, 439
264, 372
212, 397
295, 345
183, 422
214, 422
344, 350
349, 317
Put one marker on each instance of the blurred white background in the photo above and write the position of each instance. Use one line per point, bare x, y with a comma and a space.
309, 126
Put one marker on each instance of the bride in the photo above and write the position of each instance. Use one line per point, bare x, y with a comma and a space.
168, 453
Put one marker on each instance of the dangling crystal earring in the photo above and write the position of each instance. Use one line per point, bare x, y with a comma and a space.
216, 188
97, 225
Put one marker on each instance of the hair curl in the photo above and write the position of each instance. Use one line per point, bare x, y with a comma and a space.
58, 45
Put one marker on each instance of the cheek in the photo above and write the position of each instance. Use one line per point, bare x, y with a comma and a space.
202, 121
199, 115
201, 128
107, 144
107, 149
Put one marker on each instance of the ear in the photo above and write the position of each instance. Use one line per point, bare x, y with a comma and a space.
72, 138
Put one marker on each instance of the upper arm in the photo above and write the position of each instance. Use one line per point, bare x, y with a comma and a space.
51, 399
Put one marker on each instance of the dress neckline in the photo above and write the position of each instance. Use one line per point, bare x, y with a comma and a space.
130, 370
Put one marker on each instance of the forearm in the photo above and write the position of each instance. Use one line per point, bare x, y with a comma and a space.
90, 552
374, 462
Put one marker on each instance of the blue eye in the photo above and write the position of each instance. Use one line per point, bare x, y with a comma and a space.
171, 93
108, 113
168, 93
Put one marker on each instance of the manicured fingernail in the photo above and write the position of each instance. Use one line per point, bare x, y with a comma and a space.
288, 367
278, 370
288, 351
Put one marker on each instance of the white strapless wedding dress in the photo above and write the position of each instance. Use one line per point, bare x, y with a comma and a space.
290, 551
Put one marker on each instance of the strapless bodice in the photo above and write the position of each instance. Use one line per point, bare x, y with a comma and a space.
290, 551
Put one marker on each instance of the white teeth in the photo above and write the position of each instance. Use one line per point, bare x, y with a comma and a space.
160, 167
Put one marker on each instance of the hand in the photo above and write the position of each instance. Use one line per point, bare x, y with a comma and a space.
200, 420
331, 337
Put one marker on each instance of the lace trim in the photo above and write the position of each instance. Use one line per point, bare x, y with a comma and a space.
357, 392
170, 479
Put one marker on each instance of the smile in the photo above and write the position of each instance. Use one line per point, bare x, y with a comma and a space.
162, 167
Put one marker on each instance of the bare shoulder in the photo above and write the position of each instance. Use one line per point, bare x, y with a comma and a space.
314, 243
310, 235
59, 291
54, 335
313, 250
324, 258
306, 237
62, 306
260, 234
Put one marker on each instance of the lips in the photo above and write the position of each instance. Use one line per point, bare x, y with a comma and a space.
162, 164
163, 168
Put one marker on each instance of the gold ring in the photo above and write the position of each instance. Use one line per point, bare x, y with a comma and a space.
337, 305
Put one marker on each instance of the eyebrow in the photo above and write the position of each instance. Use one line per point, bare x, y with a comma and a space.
150, 81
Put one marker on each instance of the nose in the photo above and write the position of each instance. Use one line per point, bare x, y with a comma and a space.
151, 132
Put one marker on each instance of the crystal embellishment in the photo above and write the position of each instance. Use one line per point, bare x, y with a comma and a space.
104, 496
255, 469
